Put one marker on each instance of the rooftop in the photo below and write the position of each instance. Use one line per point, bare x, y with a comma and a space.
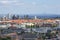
19, 21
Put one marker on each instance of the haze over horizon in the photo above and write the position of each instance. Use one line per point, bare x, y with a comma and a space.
32, 7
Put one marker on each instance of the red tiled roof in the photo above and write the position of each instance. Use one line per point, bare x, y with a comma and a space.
30, 20
23, 21
50, 20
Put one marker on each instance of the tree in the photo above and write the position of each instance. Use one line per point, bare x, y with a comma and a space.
7, 38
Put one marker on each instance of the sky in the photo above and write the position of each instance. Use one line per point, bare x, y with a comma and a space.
30, 7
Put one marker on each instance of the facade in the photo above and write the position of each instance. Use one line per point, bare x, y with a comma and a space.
29, 36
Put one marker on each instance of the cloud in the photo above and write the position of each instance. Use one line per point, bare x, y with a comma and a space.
7, 2
34, 3
11, 2
19, 4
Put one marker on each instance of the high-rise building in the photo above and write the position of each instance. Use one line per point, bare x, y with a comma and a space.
9, 15
35, 17
26, 16
5, 18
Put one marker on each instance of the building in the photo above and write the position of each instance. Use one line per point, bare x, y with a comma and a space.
29, 36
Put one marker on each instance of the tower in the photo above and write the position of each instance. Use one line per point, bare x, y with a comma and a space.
26, 16
35, 17
9, 15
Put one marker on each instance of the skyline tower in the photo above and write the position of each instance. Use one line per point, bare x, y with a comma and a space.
35, 17
9, 15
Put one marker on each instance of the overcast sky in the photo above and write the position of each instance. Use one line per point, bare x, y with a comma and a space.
30, 6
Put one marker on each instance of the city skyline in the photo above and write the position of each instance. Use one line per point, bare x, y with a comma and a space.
30, 7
